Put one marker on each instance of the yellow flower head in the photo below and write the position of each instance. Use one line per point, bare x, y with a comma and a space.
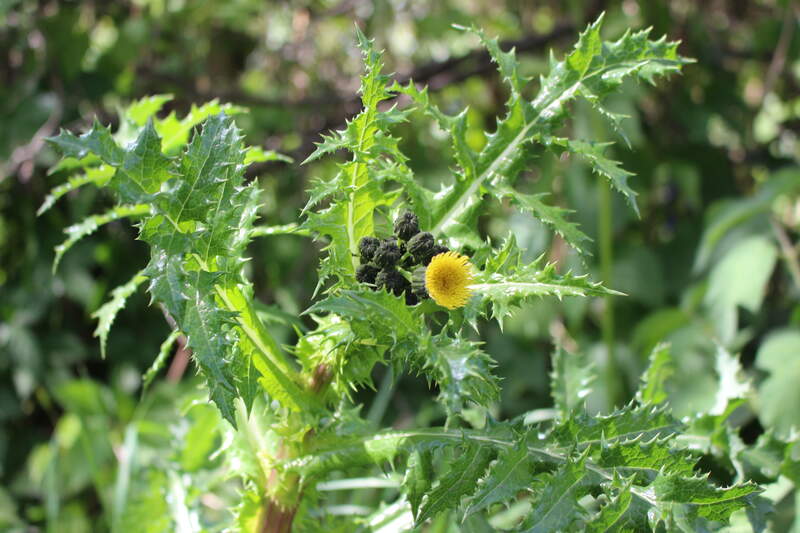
447, 279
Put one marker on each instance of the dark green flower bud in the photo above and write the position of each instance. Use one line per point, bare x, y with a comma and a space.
388, 254
367, 247
411, 298
418, 283
392, 280
408, 262
406, 225
366, 274
420, 246
436, 249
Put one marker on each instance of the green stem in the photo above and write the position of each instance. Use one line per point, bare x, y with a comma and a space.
613, 378
251, 325
381, 402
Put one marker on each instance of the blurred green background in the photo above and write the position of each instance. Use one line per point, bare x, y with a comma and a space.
712, 261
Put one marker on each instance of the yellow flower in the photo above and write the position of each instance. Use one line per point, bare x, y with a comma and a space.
447, 278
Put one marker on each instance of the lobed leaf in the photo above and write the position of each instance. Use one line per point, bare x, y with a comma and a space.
459, 481
505, 282
90, 224
592, 70
106, 314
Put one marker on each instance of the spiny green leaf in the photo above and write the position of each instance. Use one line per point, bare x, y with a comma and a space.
106, 314
646, 459
143, 169
556, 507
506, 62
97, 141
198, 219
509, 474
391, 312
461, 369
355, 188
592, 71
653, 387
630, 422
419, 477
551, 215
612, 515
570, 381
505, 282
456, 483
699, 498
594, 154
208, 335
175, 132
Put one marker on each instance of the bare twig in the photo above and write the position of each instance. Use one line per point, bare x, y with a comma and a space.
21, 160
788, 250
779, 57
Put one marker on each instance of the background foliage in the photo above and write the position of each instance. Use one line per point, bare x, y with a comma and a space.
711, 262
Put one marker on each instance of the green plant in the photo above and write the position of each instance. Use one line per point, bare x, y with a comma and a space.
289, 412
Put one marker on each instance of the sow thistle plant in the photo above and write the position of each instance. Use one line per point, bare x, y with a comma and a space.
404, 277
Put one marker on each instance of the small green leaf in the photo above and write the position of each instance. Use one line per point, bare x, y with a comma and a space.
592, 70
98, 176
556, 507
459, 481
508, 475
779, 356
97, 141
419, 477
256, 154
644, 460
702, 499
630, 422
739, 279
570, 381
505, 282
143, 169
106, 314
612, 515
90, 224
653, 388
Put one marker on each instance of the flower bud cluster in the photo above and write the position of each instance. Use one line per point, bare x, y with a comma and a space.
387, 264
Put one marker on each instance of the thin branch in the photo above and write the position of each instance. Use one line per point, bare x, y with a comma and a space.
779, 57
788, 250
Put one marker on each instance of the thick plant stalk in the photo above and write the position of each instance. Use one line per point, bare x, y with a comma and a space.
281, 501
275, 518
278, 512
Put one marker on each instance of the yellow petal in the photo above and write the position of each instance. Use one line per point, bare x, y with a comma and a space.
447, 278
